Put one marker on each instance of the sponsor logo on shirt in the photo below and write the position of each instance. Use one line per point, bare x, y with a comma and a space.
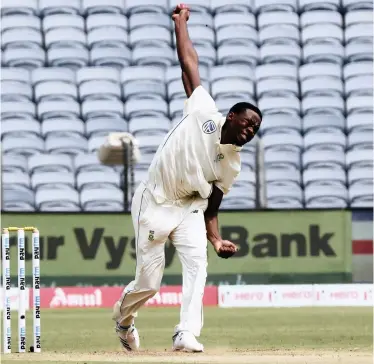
151, 235
220, 156
209, 127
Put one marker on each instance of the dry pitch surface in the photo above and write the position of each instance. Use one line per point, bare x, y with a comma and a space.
231, 336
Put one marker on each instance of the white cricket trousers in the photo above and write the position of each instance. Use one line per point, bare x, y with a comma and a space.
154, 224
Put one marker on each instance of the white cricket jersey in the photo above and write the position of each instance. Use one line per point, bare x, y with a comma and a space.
191, 158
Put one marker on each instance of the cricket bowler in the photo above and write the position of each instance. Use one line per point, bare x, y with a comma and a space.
193, 168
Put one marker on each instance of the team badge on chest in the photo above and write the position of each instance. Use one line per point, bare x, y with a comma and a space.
209, 127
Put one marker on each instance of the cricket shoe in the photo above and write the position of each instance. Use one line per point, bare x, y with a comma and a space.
186, 341
128, 337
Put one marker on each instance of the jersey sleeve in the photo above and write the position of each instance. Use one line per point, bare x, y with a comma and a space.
199, 100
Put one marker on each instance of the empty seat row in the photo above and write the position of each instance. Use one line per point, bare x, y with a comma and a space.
165, 56
129, 7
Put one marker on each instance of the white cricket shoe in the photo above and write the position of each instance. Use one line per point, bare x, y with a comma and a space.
186, 341
128, 337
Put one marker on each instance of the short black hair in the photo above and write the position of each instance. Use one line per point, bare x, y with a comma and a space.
242, 106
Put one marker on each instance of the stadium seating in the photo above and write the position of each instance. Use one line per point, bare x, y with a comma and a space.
75, 70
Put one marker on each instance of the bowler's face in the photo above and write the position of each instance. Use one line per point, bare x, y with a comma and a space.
244, 126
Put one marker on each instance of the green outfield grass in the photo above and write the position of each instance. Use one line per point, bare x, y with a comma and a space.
300, 335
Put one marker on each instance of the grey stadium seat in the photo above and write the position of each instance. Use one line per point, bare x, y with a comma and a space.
14, 163
360, 139
350, 5
272, 105
65, 37
20, 21
103, 126
360, 121
323, 104
152, 55
102, 20
63, 127
317, 139
308, 5
239, 198
322, 69
361, 104
49, 7
102, 199
24, 7
89, 162
334, 175
68, 57
360, 174
15, 91
46, 74
52, 180
321, 16
22, 145
280, 158
142, 6
361, 194
330, 53
57, 200
24, 109
156, 37
103, 6
143, 82
149, 125
288, 193
323, 158
277, 70
20, 127
56, 21
235, 6
359, 52
50, 163
285, 53
283, 33
317, 121
141, 20
98, 179
110, 57
321, 195
107, 37
102, 108
272, 5
282, 174
360, 158
358, 17
16, 200
100, 89
327, 33
238, 54
71, 146
16, 180
15, 75
138, 108
18, 38
272, 123
55, 90
49, 109
270, 18
28, 58
286, 139
86, 74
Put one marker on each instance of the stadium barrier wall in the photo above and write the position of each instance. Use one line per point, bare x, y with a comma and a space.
298, 246
104, 297
308, 295
362, 246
